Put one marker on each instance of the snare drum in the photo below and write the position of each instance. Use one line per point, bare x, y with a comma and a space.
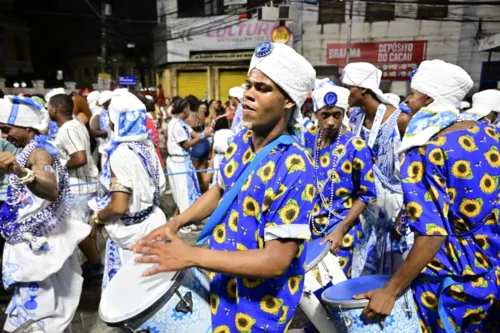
346, 311
322, 270
166, 302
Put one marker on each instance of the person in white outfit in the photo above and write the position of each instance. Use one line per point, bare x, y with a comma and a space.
39, 261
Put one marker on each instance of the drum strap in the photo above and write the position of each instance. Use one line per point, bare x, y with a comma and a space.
228, 199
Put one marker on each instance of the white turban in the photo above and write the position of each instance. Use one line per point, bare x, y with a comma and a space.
23, 112
236, 92
463, 105
92, 99
289, 70
51, 93
128, 114
446, 83
327, 93
222, 139
365, 75
393, 98
484, 102
105, 96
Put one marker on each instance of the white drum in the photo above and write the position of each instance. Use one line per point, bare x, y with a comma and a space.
168, 302
322, 271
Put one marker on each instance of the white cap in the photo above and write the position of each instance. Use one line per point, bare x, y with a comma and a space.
463, 105
105, 96
365, 75
92, 98
485, 102
327, 93
222, 139
236, 92
287, 69
23, 112
393, 98
51, 93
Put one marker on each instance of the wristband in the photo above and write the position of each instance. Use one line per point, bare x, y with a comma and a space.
29, 178
95, 218
202, 135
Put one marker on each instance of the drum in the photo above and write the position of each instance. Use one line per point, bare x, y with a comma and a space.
165, 302
346, 311
322, 270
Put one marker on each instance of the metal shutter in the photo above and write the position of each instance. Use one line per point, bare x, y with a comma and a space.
229, 78
192, 83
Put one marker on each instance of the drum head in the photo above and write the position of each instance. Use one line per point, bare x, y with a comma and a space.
340, 295
129, 293
315, 253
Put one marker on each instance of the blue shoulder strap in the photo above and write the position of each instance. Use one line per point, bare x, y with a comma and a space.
228, 199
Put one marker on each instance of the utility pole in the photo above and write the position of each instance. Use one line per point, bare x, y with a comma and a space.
105, 11
349, 33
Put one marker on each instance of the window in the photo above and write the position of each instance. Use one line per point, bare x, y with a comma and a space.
331, 11
196, 8
86, 73
439, 9
376, 12
20, 50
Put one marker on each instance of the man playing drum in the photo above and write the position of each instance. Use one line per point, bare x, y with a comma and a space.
343, 173
39, 260
257, 250
134, 178
450, 172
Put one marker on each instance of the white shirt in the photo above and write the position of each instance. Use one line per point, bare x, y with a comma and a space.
178, 131
71, 138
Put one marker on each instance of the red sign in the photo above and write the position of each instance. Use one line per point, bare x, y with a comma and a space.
396, 59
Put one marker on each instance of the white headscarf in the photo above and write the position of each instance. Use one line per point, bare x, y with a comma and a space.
327, 93
484, 102
365, 75
92, 99
222, 139
51, 93
105, 96
128, 114
393, 98
289, 70
23, 112
236, 92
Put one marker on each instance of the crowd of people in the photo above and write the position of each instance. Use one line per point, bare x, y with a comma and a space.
405, 187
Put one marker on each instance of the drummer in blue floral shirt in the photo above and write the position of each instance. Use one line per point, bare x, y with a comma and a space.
343, 173
257, 251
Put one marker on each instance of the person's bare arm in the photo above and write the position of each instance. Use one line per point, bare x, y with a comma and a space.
45, 184
116, 207
403, 121
82, 118
95, 128
77, 160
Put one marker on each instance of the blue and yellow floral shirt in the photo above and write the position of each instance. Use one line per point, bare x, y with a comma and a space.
274, 203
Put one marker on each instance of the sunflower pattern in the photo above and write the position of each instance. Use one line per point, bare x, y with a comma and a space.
274, 202
353, 179
455, 196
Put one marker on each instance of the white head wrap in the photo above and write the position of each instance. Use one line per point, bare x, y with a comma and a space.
23, 112
393, 98
236, 92
222, 139
289, 70
51, 93
484, 102
128, 114
92, 99
463, 105
105, 96
446, 83
327, 93
365, 75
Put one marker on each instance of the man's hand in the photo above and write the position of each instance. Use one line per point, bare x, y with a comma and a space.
335, 238
380, 306
171, 256
157, 235
8, 165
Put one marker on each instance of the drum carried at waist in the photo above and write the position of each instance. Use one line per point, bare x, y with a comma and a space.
346, 311
167, 302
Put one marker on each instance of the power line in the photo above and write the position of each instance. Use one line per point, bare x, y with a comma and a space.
93, 9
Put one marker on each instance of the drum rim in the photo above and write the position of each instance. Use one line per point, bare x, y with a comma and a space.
347, 304
118, 321
318, 259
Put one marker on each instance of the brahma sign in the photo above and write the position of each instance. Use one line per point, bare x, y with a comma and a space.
396, 59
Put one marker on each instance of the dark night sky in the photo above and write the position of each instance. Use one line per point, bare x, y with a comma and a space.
63, 28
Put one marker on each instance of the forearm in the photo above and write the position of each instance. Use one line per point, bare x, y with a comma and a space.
45, 184
357, 208
201, 209
423, 251
190, 143
109, 214
95, 133
75, 163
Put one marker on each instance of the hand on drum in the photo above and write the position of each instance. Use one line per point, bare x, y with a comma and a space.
380, 306
170, 256
157, 235
335, 238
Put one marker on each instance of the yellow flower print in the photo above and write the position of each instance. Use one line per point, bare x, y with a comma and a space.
432, 194
475, 316
415, 173
343, 262
247, 136
414, 210
322, 221
467, 143
250, 207
233, 220
347, 167
220, 233
488, 184
457, 292
461, 169
468, 271
259, 239
308, 193
266, 173
251, 283
358, 143
347, 240
246, 185
491, 133
268, 199
211, 276
481, 260
290, 212
436, 265
439, 141
248, 156
451, 252
214, 303
299, 251
294, 283
460, 225
339, 151
422, 150
437, 157
482, 241
440, 181
230, 151
423, 327
230, 168
434, 229
335, 177
474, 129
402, 159
452, 194
295, 163
429, 300
222, 329
315, 210
281, 190
270, 304
341, 192
231, 288
348, 203
493, 157
358, 164
471, 208
284, 314
244, 322
324, 160
313, 129
241, 247
363, 189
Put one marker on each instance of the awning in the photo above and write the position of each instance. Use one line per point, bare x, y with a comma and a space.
490, 43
